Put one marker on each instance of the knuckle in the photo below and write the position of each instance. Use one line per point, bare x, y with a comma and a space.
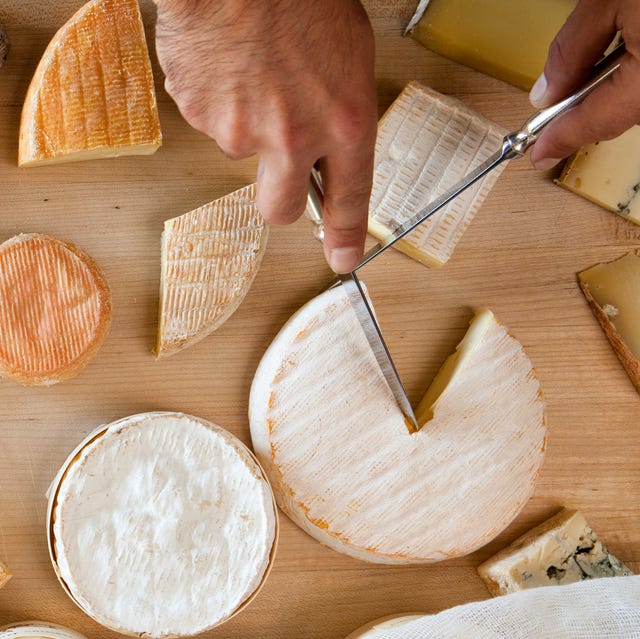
233, 136
354, 124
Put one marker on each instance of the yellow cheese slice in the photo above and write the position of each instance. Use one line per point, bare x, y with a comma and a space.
5, 575
345, 468
562, 550
608, 173
210, 257
426, 143
92, 95
507, 39
613, 292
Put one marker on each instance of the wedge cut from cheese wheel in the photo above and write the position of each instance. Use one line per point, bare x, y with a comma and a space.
5, 575
344, 466
38, 630
426, 143
55, 309
162, 525
92, 95
210, 257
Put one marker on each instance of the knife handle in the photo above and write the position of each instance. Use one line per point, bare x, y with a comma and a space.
315, 199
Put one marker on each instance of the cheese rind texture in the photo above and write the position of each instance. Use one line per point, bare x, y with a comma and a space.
55, 309
344, 466
608, 174
210, 257
92, 95
612, 291
426, 143
163, 526
562, 550
507, 39
38, 630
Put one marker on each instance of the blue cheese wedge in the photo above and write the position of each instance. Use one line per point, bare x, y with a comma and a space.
562, 550
162, 525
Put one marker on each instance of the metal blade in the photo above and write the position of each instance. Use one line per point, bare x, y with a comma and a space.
433, 206
372, 332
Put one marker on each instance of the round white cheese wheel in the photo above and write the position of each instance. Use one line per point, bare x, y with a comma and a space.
374, 629
344, 466
162, 524
38, 630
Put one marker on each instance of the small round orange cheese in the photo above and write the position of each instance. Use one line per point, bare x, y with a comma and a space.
55, 309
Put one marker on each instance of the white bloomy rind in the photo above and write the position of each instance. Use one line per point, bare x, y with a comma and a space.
344, 466
38, 630
163, 525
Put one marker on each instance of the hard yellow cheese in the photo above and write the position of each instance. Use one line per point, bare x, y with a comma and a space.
608, 173
507, 39
426, 143
613, 292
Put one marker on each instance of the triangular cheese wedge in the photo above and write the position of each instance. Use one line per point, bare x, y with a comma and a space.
92, 95
55, 309
344, 466
210, 257
426, 143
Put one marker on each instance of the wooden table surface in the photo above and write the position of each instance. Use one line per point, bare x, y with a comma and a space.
519, 258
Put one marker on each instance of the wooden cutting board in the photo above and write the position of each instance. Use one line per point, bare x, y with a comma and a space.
519, 258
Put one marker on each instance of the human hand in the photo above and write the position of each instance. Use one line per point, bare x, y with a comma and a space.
610, 109
292, 81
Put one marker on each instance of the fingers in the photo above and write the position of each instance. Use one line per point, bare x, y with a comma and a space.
607, 112
578, 45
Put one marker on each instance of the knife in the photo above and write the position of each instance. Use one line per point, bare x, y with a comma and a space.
514, 145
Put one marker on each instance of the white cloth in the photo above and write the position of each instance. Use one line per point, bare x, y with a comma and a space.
594, 609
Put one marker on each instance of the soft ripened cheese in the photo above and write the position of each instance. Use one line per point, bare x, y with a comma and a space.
608, 173
163, 525
92, 95
344, 466
508, 39
210, 257
426, 143
562, 550
5, 575
55, 309
613, 292
38, 630
378, 627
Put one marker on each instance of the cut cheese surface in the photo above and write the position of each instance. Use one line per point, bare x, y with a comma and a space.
5, 575
426, 143
344, 466
507, 39
562, 550
38, 630
608, 173
163, 525
210, 257
92, 95
55, 309
613, 292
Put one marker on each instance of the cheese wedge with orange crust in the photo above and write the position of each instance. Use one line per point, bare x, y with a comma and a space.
92, 94
344, 466
210, 257
55, 309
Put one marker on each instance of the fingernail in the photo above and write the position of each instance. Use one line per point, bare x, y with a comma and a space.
539, 92
342, 260
546, 163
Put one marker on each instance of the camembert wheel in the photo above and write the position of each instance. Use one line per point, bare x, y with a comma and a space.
343, 464
55, 309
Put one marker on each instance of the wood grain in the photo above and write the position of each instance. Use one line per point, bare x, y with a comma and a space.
519, 258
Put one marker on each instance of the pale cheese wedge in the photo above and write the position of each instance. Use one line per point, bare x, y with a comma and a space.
162, 525
210, 257
343, 464
608, 173
5, 575
561, 550
92, 95
38, 630
612, 291
426, 143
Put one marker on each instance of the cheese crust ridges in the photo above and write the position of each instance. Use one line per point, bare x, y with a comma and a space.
426, 143
344, 466
55, 309
38, 630
92, 95
162, 525
608, 174
561, 550
210, 257
612, 290
5, 575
